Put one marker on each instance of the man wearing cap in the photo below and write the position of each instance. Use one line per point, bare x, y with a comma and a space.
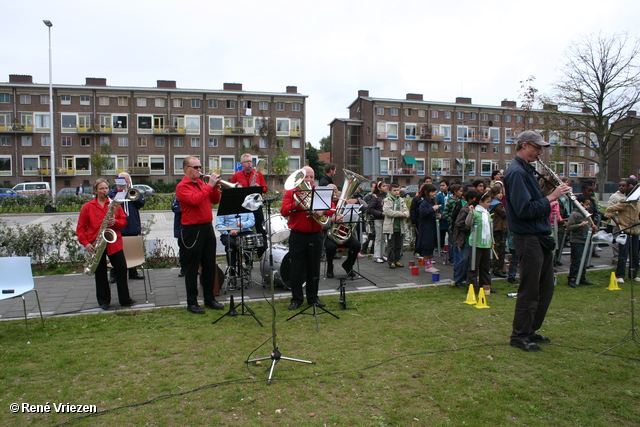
528, 217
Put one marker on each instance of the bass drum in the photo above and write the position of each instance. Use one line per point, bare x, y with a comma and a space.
279, 228
281, 266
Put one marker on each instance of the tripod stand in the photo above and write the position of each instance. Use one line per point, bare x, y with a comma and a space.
275, 356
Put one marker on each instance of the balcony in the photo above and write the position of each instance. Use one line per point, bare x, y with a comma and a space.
16, 127
169, 129
139, 171
228, 130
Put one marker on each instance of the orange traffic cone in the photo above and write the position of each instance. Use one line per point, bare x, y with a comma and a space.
471, 296
482, 300
613, 283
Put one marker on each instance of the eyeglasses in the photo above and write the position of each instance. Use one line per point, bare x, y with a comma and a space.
195, 167
536, 146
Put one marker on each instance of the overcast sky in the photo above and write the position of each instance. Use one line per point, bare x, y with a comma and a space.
328, 49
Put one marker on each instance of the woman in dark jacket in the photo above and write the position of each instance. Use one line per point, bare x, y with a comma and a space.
375, 210
427, 239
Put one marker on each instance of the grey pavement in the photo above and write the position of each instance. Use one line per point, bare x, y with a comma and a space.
75, 293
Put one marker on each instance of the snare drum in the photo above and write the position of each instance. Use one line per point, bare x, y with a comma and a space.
281, 266
279, 228
252, 241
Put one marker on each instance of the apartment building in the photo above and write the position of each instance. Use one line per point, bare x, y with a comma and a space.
460, 140
149, 130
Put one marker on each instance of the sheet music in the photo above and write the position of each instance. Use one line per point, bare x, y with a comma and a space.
321, 200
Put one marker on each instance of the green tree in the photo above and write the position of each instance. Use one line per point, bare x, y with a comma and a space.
313, 160
101, 160
281, 160
325, 144
601, 79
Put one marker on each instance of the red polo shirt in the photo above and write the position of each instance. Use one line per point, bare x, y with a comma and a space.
244, 178
301, 220
196, 200
90, 220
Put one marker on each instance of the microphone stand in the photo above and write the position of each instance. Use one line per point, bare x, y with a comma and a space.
275, 356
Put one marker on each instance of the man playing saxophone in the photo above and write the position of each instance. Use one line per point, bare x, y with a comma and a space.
95, 217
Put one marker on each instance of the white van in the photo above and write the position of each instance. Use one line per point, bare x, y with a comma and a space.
28, 188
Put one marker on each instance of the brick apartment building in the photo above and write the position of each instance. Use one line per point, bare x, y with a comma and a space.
461, 140
150, 130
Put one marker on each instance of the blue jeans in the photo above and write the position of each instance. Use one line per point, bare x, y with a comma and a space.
461, 268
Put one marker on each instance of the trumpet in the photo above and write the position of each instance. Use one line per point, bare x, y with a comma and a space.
225, 184
296, 181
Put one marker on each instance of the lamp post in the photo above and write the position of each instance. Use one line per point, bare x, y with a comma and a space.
392, 164
52, 160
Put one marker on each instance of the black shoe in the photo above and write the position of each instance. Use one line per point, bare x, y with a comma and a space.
493, 291
112, 280
525, 345
130, 303
500, 275
572, 284
318, 303
337, 256
294, 305
351, 274
586, 282
329, 274
181, 274
590, 266
136, 276
595, 255
512, 281
104, 306
195, 309
539, 338
215, 305
457, 285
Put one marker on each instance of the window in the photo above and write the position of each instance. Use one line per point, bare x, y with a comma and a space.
282, 126
410, 130
66, 141
192, 124
473, 116
246, 142
213, 142
6, 98
177, 102
41, 121
25, 98
178, 141
530, 120
45, 141
264, 105
160, 102
85, 100
421, 146
408, 112
105, 140
145, 124
434, 114
496, 118
195, 142
380, 111
472, 148
434, 147
422, 113
294, 163
508, 136
295, 143
30, 164
85, 141
444, 131
392, 130
231, 104
213, 103
279, 106
123, 141
141, 102
160, 141
447, 114
496, 149
507, 118
195, 103
463, 133
484, 117
5, 165
246, 104
216, 125
103, 100
123, 101
484, 149
486, 168
230, 143
394, 111
518, 119
296, 106
507, 149
44, 99
460, 115
69, 122
120, 123
26, 141
459, 148
446, 148
142, 141
263, 143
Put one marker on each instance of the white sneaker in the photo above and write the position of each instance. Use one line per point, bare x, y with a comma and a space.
384, 258
636, 279
620, 280
380, 260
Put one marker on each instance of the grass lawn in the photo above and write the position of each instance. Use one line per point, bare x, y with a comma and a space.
410, 357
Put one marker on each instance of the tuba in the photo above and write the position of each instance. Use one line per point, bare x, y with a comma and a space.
296, 182
339, 232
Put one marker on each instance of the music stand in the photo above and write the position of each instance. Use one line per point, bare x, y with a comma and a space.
352, 215
231, 204
275, 356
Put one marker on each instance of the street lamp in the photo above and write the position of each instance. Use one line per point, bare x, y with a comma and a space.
52, 161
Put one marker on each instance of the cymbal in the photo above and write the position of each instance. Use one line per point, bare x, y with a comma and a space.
228, 228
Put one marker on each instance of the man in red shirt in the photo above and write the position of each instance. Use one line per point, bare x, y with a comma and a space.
249, 177
198, 237
305, 244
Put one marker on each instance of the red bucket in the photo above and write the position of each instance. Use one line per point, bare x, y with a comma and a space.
414, 271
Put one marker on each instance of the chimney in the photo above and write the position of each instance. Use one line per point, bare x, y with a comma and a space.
232, 86
95, 81
417, 97
20, 78
292, 89
166, 84
363, 94
463, 100
632, 113
508, 104
552, 107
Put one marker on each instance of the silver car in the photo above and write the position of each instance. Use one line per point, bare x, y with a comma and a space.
145, 190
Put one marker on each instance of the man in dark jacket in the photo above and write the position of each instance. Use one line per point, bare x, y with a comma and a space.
327, 178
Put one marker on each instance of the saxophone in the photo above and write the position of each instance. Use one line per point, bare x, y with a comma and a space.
105, 236
339, 232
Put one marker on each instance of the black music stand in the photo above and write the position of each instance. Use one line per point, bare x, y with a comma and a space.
231, 204
275, 356
354, 216
343, 293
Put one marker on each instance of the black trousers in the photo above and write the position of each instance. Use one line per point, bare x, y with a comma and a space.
199, 243
305, 252
259, 217
103, 290
536, 286
331, 247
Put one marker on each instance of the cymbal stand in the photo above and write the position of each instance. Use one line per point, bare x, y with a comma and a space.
275, 356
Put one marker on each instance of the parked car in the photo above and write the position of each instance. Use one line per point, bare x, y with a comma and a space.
29, 188
409, 190
7, 192
68, 192
145, 190
365, 187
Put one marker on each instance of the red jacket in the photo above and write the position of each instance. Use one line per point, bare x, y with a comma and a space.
90, 220
245, 179
300, 220
195, 202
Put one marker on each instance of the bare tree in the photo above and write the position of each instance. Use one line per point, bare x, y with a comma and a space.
599, 87
101, 160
